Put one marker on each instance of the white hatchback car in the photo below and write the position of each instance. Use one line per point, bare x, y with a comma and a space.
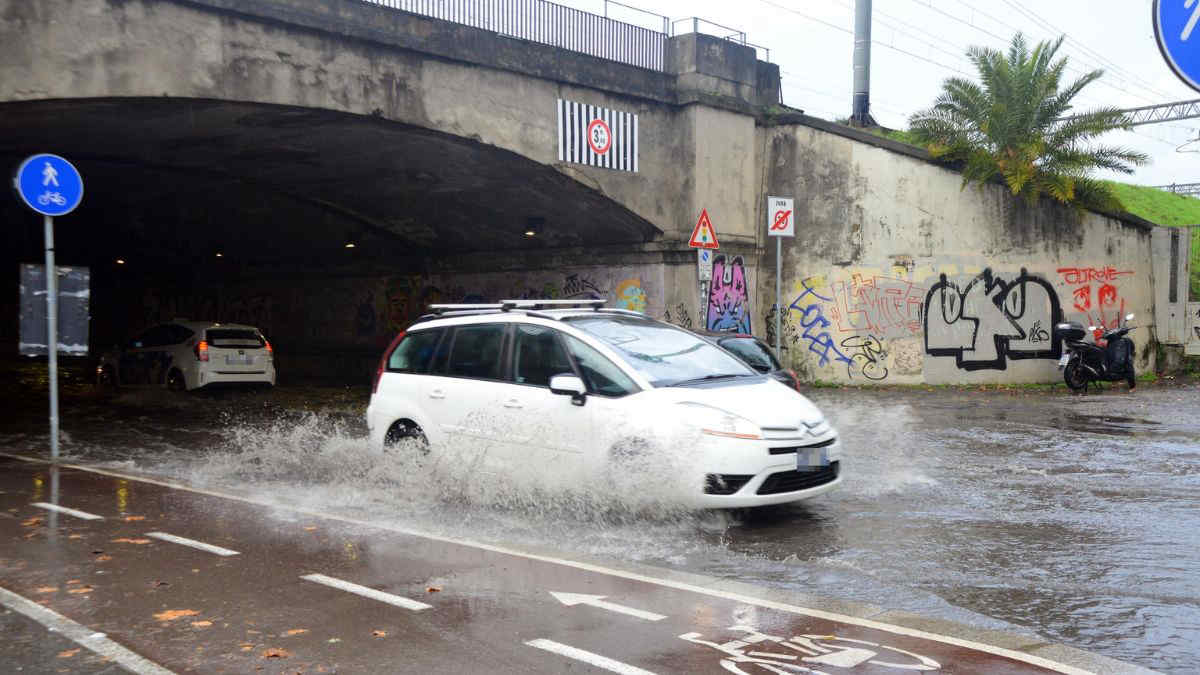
184, 355
570, 385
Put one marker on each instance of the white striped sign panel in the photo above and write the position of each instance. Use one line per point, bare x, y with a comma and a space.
595, 136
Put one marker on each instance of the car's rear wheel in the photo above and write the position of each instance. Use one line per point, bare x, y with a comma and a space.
175, 381
406, 437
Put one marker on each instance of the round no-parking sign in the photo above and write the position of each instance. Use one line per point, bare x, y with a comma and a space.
599, 136
1177, 27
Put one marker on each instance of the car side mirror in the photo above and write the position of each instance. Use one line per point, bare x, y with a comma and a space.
569, 385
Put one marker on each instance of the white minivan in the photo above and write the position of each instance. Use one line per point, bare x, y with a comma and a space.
580, 389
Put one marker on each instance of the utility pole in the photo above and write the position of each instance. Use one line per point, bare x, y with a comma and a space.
861, 115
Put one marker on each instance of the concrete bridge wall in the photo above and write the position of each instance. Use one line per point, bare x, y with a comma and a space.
899, 275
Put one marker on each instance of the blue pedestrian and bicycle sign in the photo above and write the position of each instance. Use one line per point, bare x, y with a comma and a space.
1177, 27
49, 185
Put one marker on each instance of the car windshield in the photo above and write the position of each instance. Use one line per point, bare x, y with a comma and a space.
751, 351
666, 355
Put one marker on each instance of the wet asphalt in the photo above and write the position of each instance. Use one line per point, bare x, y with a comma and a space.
1067, 519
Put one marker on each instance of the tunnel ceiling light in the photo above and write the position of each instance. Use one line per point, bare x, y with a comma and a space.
120, 261
220, 255
349, 244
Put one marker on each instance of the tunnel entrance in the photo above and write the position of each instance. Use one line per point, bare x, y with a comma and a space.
327, 230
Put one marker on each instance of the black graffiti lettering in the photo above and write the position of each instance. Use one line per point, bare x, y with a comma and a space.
990, 320
867, 356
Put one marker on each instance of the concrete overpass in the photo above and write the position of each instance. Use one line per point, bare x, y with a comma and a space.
275, 131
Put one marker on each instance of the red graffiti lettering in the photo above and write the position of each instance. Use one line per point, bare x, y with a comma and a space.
1083, 298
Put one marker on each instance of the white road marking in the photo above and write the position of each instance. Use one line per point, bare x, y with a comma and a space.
572, 599
587, 657
70, 512
82, 635
184, 541
371, 593
599, 569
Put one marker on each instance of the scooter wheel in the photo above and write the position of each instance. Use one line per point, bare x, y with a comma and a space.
1074, 376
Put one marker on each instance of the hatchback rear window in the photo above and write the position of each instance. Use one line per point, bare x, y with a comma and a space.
234, 337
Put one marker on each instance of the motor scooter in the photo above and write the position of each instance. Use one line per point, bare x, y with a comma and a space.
1109, 359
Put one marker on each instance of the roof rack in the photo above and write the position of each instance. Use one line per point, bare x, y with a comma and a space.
509, 305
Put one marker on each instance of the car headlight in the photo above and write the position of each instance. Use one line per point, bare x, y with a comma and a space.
717, 422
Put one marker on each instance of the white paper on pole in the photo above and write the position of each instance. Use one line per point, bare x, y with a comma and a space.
781, 217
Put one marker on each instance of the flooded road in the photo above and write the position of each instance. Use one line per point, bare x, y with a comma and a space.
1076, 519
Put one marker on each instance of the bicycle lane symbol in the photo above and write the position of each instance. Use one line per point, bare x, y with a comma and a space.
816, 650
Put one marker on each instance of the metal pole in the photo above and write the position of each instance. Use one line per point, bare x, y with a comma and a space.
52, 335
778, 294
862, 63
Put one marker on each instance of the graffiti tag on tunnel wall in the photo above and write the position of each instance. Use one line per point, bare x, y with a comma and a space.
987, 321
728, 303
1096, 293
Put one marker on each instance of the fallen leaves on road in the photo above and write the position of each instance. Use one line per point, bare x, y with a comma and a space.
103, 558
81, 589
379, 633
131, 519
334, 641
36, 520
201, 624
310, 528
75, 536
247, 646
275, 653
172, 614
127, 540
46, 589
434, 589
68, 653
159, 584
296, 631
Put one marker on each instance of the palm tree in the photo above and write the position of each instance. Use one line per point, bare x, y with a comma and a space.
1010, 125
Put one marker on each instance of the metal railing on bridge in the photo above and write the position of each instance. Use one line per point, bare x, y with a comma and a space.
550, 24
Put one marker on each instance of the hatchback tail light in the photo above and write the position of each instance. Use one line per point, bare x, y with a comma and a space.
383, 361
201, 350
269, 348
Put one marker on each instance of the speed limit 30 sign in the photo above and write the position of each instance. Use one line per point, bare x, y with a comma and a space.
596, 136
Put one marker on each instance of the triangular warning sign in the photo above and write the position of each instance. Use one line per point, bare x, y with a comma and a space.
705, 235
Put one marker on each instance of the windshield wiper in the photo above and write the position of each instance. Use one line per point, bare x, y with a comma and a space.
707, 378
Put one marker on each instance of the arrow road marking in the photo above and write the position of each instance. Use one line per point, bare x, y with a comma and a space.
70, 512
572, 599
371, 593
588, 657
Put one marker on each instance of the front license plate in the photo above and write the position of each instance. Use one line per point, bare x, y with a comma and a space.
1063, 361
811, 459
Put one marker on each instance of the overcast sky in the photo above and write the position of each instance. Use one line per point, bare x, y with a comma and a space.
919, 43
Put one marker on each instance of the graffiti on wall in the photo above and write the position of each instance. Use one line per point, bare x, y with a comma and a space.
878, 305
630, 295
728, 306
987, 321
680, 316
1096, 293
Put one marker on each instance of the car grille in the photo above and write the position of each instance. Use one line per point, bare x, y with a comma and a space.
792, 449
725, 483
790, 481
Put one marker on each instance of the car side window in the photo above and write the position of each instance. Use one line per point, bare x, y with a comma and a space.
750, 351
180, 334
476, 352
415, 352
600, 374
157, 336
538, 355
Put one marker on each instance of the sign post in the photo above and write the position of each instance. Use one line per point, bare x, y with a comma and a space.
51, 186
780, 223
1177, 29
704, 240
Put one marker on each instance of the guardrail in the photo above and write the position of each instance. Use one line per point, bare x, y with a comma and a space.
548, 23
